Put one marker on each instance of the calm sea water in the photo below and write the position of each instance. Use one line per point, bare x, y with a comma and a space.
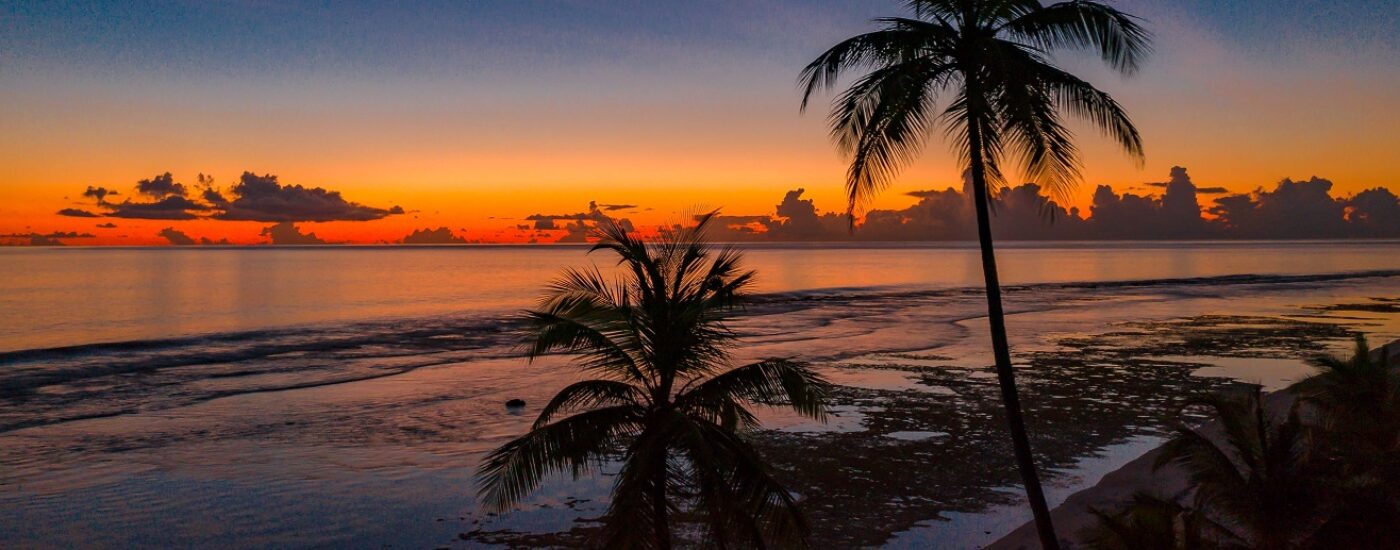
57, 297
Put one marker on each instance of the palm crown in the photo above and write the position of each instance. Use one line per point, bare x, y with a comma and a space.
665, 400
990, 61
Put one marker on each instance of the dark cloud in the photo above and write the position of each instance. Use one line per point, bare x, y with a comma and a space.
161, 186
616, 207
1211, 190
1375, 213
798, 220
172, 207
42, 239
577, 227
1293, 209
263, 199
108, 225
175, 237
76, 213
180, 238
288, 233
253, 198
441, 235
99, 193
1176, 214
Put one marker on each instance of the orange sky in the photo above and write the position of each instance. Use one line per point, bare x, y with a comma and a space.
480, 153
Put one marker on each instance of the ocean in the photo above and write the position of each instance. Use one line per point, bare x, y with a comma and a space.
341, 396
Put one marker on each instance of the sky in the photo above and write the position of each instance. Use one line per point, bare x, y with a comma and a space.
476, 115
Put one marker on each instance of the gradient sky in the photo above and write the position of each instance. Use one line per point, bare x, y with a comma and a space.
475, 114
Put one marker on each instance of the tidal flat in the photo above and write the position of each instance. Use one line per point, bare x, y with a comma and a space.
369, 434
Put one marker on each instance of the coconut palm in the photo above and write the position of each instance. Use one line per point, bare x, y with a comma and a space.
1359, 397
987, 64
1358, 405
1252, 477
1147, 522
665, 402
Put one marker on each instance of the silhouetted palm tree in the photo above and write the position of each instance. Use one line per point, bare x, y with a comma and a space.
1359, 397
1252, 477
1148, 522
1358, 402
666, 402
989, 60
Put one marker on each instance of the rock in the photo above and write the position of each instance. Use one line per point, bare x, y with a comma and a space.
515, 404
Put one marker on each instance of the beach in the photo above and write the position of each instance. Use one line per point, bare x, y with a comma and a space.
363, 428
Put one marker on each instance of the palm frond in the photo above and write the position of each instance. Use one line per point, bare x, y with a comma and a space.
770, 382
1119, 38
589, 394
574, 444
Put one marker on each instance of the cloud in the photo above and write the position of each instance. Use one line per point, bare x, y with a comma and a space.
76, 213
1375, 213
42, 239
1174, 215
161, 186
578, 227
263, 199
172, 207
253, 198
286, 233
99, 193
175, 237
1292, 210
108, 225
616, 207
441, 235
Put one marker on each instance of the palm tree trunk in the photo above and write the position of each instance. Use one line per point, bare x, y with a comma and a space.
1001, 350
659, 509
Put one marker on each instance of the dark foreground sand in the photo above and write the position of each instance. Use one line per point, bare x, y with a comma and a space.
1116, 488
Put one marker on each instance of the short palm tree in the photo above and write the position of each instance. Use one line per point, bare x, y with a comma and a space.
1253, 478
1147, 522
1360, 397
665, 402
1358, 404
988, 61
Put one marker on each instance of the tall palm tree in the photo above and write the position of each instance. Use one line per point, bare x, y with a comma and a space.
666, 402
989, 61
1252, 477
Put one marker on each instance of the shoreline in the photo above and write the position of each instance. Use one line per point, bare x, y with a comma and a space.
1116, 487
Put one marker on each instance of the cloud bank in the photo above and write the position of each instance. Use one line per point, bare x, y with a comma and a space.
287, 233
259, 198
1290, 210
441, 235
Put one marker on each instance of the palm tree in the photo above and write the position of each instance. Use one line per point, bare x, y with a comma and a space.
1359, 397
990, 60
1358, 405
1147, 522
666, 402
1253, 478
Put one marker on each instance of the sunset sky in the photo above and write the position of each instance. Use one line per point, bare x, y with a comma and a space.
474, 115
